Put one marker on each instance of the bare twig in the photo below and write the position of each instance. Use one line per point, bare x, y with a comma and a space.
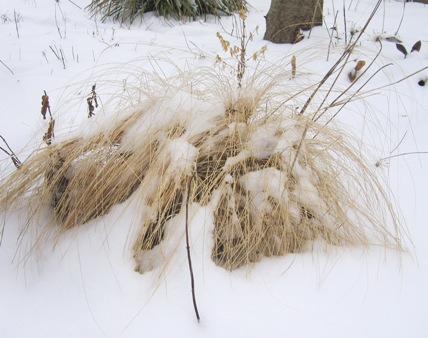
59, 54
10, 70
352, 96
11, 154
44, 55
192, 280
317, 7
334, 28
62, 57
404, 154
63, 18
401, 20
242, 64
16, 17
344, 23
2, 232
344, 57
57, 26
75, 4
91, 100
53, 51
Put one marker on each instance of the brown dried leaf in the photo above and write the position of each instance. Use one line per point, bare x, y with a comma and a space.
417, 46
401, 48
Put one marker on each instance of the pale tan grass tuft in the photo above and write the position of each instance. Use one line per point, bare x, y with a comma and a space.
274, 179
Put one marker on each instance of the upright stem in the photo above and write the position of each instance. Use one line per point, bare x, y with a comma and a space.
192, 280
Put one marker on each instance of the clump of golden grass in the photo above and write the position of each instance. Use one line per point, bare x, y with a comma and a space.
274, 179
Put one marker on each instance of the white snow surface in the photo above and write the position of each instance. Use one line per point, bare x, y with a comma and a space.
86, 285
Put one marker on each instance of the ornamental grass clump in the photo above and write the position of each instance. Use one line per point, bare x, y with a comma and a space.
272, 178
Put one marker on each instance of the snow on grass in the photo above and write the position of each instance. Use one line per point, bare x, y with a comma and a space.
89, 279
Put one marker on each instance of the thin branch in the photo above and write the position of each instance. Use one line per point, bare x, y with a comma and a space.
344, 23
53, 51
344, 57
404, 154
57, 26
317, 8
192, 280
353, 95
331, 35
350, 86
402, 17
2, 232
16, 17
10, 70
11, 154
75, 4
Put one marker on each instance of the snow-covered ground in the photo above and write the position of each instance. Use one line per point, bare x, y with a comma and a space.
86, 286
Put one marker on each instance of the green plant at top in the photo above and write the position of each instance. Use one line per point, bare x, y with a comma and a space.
124, 10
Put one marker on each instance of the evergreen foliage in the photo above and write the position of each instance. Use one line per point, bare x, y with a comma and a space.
124, 10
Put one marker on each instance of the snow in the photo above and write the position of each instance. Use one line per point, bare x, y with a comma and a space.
86, 285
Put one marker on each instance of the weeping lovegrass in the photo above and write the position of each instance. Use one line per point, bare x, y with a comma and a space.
274, 178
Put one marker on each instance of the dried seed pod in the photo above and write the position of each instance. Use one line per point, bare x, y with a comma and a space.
49, 135
45, 105
91, 107
360, 64
94, 95
92, 98
293, 66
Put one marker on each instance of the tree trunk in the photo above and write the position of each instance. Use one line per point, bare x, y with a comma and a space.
286, 17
